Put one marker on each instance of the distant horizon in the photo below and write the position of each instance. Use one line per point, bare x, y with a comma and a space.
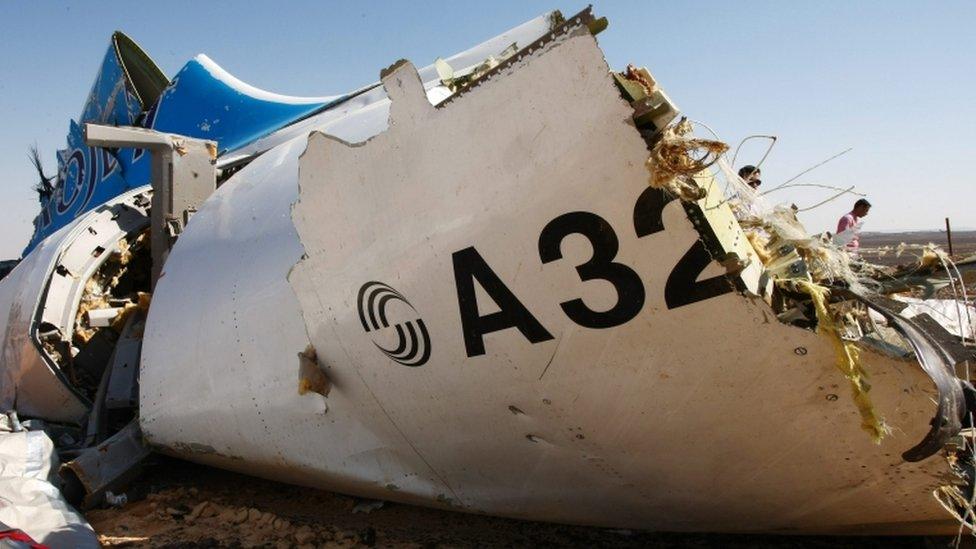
942, 231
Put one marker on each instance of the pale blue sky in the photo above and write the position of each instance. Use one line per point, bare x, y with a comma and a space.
894, 80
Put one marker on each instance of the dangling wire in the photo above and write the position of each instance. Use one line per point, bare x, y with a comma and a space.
772, 143
834, 197
965, 297
810, 169
709, 128
45, 186
818, 185
946, 261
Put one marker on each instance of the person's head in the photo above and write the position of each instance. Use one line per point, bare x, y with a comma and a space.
861, 207
751, 175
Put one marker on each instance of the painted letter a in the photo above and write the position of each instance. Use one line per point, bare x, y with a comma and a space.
470, 266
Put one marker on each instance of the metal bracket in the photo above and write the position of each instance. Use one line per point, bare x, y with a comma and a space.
104, 467
184, 174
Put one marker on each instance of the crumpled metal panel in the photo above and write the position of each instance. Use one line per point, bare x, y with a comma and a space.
27, 383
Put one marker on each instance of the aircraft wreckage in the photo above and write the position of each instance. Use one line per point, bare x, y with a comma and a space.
512, 282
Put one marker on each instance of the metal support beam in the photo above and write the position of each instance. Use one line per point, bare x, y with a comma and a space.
107, 466
183, 176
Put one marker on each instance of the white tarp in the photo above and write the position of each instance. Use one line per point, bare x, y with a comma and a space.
28, 500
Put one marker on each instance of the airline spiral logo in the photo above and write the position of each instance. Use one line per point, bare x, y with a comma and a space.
412, 347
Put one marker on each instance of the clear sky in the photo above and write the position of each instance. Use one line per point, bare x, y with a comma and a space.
895, 80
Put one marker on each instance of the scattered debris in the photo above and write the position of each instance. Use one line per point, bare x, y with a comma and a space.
455, 80
804, 270
115, 500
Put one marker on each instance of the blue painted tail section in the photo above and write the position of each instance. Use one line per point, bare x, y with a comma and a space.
88, 176
202, 101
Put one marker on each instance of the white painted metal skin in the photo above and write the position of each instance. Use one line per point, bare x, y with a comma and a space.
29, 384
711, 416
33, 293
373, 95
36, 387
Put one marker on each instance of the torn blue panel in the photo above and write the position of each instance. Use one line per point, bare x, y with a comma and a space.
206, 102
111, 100
89, 176
203, 101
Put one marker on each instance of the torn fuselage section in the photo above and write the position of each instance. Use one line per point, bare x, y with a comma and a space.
811, 283
97, 283
767, 253
489, 200
74, 334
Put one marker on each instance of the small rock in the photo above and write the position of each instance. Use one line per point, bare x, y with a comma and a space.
367, 536
283, 544
240, 516
304, 535
197, 510
210, 510
116, 500
267, 518
253, 515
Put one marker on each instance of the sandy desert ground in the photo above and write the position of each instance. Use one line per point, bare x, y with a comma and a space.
963, 244
179, 504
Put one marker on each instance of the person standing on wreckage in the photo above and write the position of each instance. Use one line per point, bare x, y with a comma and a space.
849, 226
747, 208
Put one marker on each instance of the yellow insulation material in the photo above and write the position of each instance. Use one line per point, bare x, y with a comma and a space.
760, 244
954, 501
676, 158
642, 77
931, 257
848, 360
